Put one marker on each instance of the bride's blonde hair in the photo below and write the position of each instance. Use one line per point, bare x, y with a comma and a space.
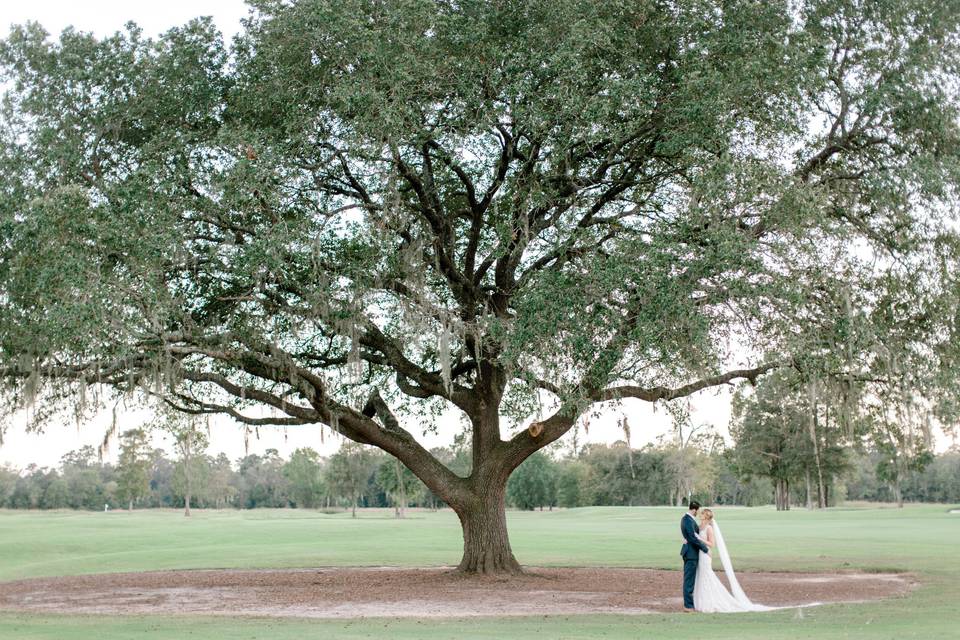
706, 517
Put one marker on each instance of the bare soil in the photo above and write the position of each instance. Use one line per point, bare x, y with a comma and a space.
421, 593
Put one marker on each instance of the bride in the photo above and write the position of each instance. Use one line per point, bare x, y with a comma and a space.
709, 594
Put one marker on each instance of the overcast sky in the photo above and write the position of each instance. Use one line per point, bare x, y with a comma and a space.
20, 448
103, 17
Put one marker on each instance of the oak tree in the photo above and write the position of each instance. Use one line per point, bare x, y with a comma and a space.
359, 214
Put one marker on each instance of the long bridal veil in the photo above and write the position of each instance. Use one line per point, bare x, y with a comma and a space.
735, 590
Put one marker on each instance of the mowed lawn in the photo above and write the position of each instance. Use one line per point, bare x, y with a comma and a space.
921, 539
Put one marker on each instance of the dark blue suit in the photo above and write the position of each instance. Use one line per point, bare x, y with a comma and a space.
690, 552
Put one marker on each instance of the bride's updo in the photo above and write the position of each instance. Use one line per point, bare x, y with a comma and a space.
706, 517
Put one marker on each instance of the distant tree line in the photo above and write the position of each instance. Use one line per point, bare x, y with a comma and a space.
145, 477
671, 471
816, 446
605, 475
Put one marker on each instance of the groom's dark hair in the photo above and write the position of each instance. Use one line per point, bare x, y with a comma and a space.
693, 506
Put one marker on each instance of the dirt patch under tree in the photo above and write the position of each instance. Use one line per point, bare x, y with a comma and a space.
433, 592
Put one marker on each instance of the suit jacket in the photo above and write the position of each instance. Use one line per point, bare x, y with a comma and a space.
693, 545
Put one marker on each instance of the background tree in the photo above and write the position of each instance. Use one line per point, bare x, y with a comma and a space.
769, 433
369, 210
348, 471
30, 488
8, 482
901, 453
534, 483
572, 477
939, 481
304, 473
220, 490
133, 467
56, 495
732, 487
399, 483
612, 480
263, 482
782, 432
686, 455
189, 442
87, 480
161, 479
691, 471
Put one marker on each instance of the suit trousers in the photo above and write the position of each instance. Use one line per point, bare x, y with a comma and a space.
689, 578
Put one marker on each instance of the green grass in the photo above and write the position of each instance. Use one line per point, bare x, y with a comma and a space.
921, 539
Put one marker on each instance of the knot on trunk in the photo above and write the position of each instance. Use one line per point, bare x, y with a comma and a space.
535, 429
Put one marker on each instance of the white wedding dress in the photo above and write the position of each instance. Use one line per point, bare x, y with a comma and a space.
709, 594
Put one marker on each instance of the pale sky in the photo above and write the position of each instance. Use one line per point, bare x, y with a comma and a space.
45, 449
104, 17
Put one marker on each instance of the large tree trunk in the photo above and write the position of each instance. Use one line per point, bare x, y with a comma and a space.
486, 545
478, 499
482, 507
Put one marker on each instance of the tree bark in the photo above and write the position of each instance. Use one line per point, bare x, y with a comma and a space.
481, 501
486, 545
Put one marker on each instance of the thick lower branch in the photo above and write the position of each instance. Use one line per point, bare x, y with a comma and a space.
540, 434
397, 441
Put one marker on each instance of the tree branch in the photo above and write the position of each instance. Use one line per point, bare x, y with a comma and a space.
652, 394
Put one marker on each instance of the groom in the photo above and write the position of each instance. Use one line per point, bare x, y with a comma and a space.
690, 552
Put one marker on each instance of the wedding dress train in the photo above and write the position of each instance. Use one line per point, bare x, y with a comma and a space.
709, 593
